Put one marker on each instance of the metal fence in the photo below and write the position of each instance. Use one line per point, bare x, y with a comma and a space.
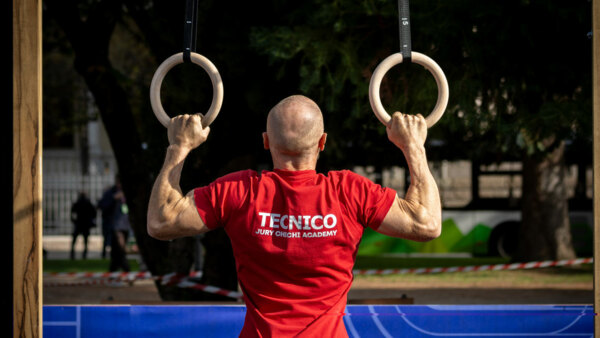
63, 180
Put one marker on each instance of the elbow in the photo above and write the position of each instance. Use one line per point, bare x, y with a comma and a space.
427, 223
154, 230
433, 234
430, 230
158, 229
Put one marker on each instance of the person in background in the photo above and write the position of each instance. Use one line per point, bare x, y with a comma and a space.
83, 216
115, 225
107, 205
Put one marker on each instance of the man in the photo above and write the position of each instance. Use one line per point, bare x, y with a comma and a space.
83, 216
115, 226
108, 206
294, 232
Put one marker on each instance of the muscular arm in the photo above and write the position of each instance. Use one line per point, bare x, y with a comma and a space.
171, 214
418, 215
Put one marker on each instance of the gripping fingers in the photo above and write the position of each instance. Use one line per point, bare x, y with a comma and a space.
186, 130
409, 121
405, 129
399, 119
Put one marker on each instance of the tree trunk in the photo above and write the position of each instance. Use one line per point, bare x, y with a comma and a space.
90, 40
545, 228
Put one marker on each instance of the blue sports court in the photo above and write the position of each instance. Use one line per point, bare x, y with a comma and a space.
80, 321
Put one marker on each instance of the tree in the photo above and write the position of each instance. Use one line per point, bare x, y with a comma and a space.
512, 95
90, 29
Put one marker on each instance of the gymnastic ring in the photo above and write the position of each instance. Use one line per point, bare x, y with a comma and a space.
159, 75
423, 60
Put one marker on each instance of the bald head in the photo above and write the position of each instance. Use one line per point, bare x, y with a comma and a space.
295, 126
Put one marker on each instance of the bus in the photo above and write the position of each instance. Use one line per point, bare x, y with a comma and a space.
481, 214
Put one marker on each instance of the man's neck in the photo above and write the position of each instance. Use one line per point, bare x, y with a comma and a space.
294, 163
294, 168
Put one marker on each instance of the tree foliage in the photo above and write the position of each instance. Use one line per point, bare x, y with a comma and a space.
519, 71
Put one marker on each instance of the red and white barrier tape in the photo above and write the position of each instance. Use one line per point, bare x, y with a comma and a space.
110, 275
178, 280
183, 281
85, 283
496, 267
210, 289
129, 276
117, 279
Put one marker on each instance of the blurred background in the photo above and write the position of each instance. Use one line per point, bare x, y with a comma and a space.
512, 154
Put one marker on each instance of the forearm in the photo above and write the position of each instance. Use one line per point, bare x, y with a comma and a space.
417, 216
422, 199
167, 201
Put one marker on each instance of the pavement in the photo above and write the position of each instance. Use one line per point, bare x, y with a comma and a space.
59, 247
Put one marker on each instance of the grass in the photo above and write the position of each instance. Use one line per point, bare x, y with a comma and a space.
555, 277
79, 265
580, 275
398, 262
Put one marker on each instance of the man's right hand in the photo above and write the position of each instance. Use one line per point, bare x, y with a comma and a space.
186, 131
407, 130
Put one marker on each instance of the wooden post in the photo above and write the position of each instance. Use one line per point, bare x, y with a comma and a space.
27, 168
596, 99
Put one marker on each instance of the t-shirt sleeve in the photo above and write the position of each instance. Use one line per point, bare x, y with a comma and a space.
216, 201
370, 202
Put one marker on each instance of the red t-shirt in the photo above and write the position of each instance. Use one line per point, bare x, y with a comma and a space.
294, 235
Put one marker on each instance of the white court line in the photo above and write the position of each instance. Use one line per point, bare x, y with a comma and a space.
502, 307
377, 322
78, 333
60, 323
350, 325
572, 323
555, 333
76, 323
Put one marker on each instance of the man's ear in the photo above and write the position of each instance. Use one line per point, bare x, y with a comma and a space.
322, 141
265, 140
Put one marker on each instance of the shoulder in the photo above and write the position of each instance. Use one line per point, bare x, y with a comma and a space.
242, 175
347, 176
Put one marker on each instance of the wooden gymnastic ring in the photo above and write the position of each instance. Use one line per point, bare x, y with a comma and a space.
159, 76
423, 60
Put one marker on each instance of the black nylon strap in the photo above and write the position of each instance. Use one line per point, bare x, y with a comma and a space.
404, 23
190, 27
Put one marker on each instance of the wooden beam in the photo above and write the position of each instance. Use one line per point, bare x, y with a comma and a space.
27, 168
596, 99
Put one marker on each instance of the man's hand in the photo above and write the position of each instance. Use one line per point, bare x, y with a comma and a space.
186, 131
407, 130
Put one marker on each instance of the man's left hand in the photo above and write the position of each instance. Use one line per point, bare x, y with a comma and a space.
186, 131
